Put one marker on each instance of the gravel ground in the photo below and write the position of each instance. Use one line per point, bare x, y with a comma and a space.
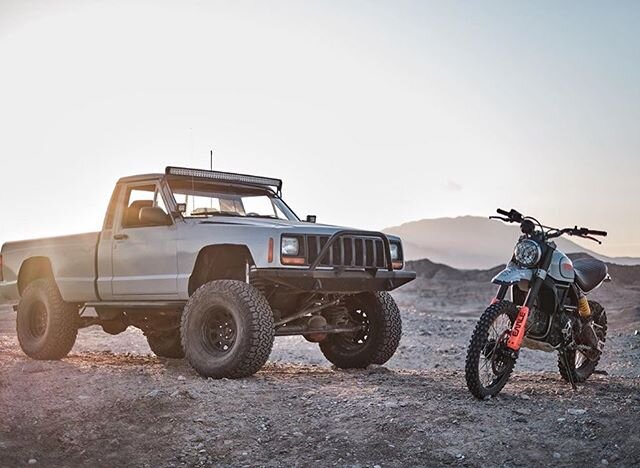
112, 403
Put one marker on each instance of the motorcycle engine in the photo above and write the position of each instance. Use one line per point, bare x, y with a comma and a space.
537, 323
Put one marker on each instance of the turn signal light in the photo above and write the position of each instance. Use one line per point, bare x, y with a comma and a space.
270, 251
397, 265
293, 260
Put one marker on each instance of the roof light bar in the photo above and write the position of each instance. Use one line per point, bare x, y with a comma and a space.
225, 177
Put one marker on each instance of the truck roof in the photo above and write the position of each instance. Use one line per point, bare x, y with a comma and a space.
216, 176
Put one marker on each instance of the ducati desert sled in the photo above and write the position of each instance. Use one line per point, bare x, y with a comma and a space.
548, 310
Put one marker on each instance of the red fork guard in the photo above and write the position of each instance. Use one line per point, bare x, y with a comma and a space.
517, 332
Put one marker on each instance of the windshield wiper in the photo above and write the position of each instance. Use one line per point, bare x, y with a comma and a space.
206, 214
262, 216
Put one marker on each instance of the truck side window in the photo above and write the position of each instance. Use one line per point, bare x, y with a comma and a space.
138, 198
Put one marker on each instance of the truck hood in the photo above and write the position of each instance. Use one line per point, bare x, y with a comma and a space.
284, 225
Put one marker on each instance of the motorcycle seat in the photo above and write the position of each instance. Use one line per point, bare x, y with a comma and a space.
590, 272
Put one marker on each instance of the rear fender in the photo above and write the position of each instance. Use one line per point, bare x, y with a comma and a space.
512, 274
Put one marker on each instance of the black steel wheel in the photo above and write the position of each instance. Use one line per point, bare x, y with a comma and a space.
489, 364
580, 365
227, 329
46, 325
378, 336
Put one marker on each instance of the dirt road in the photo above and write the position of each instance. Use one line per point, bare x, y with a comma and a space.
111, 403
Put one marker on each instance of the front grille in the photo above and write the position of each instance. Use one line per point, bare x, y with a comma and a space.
346, 251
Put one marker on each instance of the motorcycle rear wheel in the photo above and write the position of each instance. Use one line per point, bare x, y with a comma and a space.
487, 369
580, 365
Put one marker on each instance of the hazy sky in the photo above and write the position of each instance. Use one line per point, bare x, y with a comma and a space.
374, 113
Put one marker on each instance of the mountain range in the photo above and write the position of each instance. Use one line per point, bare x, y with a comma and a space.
472, 242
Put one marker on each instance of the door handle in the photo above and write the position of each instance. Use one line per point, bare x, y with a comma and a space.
120, 236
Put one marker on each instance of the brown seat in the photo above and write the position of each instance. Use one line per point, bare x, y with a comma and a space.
590, 272
132, 214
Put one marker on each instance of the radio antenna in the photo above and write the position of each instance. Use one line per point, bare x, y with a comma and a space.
211, 159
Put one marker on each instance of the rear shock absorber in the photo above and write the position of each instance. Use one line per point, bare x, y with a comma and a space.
583, 307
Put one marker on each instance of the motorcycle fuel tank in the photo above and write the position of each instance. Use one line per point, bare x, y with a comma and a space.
561, 268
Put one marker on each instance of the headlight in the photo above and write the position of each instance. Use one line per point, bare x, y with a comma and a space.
395, 252
527, 253
290, 246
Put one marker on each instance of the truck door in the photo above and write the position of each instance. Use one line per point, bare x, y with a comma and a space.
144, 257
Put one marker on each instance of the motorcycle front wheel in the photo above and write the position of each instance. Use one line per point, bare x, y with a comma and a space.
488, 365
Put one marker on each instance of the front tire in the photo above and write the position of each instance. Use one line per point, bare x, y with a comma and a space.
227, 330
580, 366
487, 369
376, 343
46, 325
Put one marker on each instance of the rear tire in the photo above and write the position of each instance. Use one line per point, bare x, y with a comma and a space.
585, 367
227, 330
166, 345
483, 344
379, 340
46, 325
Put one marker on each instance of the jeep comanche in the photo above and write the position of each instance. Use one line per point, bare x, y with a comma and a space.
211, 266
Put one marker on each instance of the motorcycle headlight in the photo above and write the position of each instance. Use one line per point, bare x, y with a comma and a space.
527, 253
290, 246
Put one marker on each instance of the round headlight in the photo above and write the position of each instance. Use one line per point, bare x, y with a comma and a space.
290, 246
395, 252
527, 253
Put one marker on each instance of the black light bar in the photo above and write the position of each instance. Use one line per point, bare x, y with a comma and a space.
225, 177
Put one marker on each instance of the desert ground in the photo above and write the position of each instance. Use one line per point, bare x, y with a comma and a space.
113, 403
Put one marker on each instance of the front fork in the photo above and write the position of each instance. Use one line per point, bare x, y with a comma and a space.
516, 335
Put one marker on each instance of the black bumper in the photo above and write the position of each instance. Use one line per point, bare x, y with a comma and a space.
335, 280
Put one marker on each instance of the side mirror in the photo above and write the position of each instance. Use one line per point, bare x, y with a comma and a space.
153, 216
182, 207
311, 218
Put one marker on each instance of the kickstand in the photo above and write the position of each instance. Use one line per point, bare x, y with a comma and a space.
570, 370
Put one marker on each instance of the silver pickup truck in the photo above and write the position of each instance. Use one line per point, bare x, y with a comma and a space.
211, 266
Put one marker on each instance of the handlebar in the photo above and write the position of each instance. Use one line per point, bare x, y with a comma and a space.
598, 233
513, 216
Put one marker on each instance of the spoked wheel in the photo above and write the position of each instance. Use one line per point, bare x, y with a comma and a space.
488, 365
379, 328
581, 366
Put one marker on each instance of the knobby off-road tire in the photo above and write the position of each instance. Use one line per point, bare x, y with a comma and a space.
479, 346
167, 345
227, 329
585, 367
378, 342
46, 325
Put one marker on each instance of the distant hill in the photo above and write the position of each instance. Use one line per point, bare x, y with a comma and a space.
621, 274
427, 269
473, 242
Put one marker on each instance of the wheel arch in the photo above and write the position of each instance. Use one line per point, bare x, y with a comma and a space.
34, 268
220, 261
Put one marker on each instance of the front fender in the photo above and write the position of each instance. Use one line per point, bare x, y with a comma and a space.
512, 274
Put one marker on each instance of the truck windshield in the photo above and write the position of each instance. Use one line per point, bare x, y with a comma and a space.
204, 199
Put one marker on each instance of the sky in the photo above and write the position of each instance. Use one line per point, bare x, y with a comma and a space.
374, 113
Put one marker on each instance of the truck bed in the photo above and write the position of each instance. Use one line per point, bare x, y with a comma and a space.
72, 260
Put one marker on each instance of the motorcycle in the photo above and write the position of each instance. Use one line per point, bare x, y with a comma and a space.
548, 310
